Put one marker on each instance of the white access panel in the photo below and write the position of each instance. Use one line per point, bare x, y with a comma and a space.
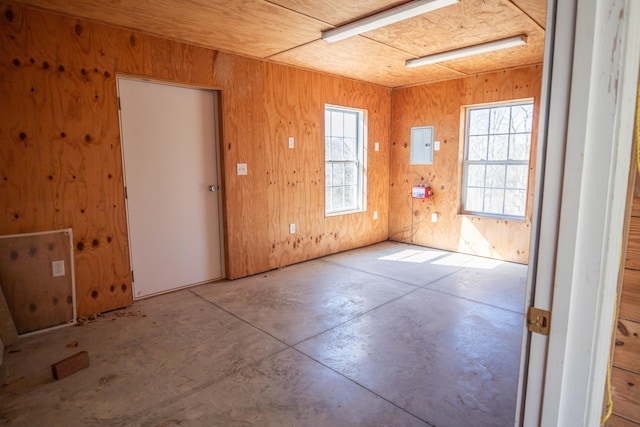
170, 162
422, 145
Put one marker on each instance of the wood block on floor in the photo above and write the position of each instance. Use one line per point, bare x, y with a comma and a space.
70, 365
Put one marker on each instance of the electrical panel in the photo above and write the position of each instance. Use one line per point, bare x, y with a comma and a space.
421, 145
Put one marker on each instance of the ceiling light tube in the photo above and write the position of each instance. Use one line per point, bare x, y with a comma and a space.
468, 51
382, 19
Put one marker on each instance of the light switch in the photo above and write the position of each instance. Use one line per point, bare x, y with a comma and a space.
436, 145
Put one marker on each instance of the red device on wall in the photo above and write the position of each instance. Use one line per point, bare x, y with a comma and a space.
421, 192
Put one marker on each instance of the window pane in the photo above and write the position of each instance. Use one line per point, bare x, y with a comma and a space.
336, 149
474, 199
344, 166
495, 176
475, 175
521, 118
499, 121
337, 198
493, 200
479, 122
350, 125
497, 152
350, 196
517, 176
520, 147
337, 174
351, 174
349, 149
477, 148
337, 123
498, 146
515, 202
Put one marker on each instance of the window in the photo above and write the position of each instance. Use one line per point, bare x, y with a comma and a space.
344, 143
496, 160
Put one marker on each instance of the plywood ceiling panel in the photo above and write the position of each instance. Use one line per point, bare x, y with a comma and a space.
339, 12
248, 27
463, 24
357, 57
535, 9
289, 32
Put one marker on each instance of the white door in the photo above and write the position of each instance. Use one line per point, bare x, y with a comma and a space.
169, 152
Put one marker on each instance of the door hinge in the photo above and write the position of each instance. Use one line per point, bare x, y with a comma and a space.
538, 320
132, 279
119, 104
126, 193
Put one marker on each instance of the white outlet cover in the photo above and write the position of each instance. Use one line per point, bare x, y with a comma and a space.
436, 145
241, 168
376, 146
292, 228
375, 214
434, 217
291, 142
57, 268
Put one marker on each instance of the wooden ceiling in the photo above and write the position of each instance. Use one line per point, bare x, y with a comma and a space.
289, 31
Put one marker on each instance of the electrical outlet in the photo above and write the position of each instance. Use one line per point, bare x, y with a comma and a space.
375, 214
292, 228
376, 146
241, 168
57, 268
291, 142
434, 217
436, 145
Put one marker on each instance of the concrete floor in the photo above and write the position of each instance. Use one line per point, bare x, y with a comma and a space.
388, 335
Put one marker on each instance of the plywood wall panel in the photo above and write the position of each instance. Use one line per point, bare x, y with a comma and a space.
60, 150
441, 105
296, 176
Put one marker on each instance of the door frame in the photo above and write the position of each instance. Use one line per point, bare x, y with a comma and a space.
219, 161
590, 82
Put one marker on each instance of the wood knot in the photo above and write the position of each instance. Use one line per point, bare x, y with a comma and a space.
16, 62
8, 15
623, 329
78, 29
132, 40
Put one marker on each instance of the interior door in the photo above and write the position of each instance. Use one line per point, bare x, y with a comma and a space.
171, 174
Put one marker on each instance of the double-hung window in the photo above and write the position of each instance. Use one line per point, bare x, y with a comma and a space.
496, 160
344, 160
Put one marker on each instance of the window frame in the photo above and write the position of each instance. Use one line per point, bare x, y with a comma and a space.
466, 163
361, 160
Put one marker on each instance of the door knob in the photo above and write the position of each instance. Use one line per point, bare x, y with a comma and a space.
213, 187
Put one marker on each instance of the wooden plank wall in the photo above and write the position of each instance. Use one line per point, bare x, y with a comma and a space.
440, 105
60, 161
625, 374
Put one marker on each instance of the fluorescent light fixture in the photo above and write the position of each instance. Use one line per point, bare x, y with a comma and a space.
468, 51
382, 19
